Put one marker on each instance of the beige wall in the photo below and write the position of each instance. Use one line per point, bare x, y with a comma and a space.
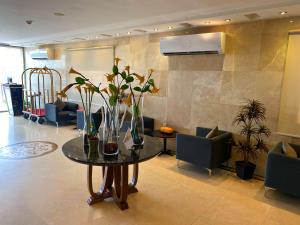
207, 90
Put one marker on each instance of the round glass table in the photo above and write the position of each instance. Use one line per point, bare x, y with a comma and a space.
114, 169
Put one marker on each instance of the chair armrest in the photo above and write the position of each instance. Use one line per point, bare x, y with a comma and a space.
221, 148
193, 149
51, 112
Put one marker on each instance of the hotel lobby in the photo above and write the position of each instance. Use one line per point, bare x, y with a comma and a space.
149, 112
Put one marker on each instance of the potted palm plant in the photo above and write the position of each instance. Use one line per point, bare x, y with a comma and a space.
253, 131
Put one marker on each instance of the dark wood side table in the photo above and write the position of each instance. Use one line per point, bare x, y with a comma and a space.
159, 134
114, 170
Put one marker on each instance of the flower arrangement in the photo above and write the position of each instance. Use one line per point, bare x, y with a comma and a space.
120, 83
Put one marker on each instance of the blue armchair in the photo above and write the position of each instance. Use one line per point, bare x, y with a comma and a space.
207, 153
282, 171
67, 114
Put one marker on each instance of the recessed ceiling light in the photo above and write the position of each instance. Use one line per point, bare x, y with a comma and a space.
117, 34
291, 21
283, 13
155, 29
227, 20
29, 22
170, 27
128, 32
207, 22
58, 14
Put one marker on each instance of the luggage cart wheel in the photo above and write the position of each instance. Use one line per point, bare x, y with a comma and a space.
33, 118
26, 116
41, 120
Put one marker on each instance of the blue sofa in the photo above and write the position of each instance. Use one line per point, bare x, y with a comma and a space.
282, 171
204, 152
67, 114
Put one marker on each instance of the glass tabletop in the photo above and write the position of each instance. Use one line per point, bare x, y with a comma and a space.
73, 149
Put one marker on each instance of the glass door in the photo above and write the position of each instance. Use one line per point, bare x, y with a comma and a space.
11, 68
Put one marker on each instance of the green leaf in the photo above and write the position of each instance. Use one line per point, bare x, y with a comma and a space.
113, 89
79, 80
124, 87
137, 89
96, 89
151, 82
123, 75
129, 79
115, 70
113, 100
146, 88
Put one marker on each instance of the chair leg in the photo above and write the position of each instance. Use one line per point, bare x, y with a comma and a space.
209, 171
178, 163
269, 188
57, 124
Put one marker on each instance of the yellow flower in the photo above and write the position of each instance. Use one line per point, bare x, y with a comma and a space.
78, 87
85, 89
154, 90
110, 77
151, 71
104, 90
62, 94
117, 60
127, 68
127, 100
140, 78
74, 71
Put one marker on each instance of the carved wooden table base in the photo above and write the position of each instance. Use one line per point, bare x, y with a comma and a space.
115, 184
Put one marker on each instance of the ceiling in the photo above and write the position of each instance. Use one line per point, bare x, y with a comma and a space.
88, 19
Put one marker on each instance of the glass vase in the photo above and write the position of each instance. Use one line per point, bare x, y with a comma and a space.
86, 131
111, 129
137, 122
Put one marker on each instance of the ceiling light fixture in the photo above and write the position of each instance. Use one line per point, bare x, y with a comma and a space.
155, 29
170, 28
29, 22
207, 22
291, 21
117, 34
128, 32
58, 14
227, 20
283, 13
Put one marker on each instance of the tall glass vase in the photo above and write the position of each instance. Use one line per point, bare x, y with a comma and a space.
86, 131
111, 130
137, 122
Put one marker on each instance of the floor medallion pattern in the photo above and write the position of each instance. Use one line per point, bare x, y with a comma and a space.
25, 150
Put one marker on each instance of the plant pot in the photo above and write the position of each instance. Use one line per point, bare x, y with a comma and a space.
93, 148
245, 170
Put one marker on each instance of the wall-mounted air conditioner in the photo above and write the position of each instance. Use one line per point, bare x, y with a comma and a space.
43, 53
206, 43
